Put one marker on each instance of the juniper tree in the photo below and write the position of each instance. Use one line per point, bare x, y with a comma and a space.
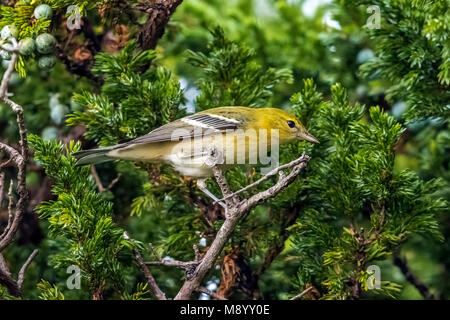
360, 209
353, 206
412, 52
348, 182
411, 63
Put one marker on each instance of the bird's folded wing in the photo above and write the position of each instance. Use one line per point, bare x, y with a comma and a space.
188, 127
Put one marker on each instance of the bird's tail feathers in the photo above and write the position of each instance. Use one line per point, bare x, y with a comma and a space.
93, 156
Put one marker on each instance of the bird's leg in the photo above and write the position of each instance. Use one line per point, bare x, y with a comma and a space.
201, 184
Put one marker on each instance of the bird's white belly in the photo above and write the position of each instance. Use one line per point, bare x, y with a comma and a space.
196, 159
189, 166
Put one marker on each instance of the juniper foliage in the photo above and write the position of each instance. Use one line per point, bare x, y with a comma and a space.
232, 77
412, 51
136, 97
360, 209
80, 219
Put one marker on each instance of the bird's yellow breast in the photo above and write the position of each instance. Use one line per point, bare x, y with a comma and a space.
192, 157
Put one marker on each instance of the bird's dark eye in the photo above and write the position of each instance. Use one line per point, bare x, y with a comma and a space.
291, 123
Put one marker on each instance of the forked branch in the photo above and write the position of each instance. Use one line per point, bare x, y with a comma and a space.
237, 209
18, 159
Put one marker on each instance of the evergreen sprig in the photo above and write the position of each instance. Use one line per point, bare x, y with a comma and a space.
80, 218
137, 96
354, 183
232, 77
413, 53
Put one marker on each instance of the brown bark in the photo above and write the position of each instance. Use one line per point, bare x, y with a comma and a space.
237, 275
242, 276
19, 159
236, 212
159, 14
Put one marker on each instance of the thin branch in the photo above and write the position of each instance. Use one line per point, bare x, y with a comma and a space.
6, 163
2, 187
230, 198
301, 294
196, 253
160, 295
265, 177
98, 182
283, 182
412, 278
211, 294
24, 268
10, 69
236, 212
155, 253
114, 181
18, 159
173, 263
10, 211
3, 265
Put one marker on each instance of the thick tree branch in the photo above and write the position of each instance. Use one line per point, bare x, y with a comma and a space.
236, 212
159, 13
14, 287
7, 280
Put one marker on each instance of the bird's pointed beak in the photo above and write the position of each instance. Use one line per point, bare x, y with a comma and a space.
308, 137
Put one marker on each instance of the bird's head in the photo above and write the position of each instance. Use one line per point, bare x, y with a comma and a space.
288, 126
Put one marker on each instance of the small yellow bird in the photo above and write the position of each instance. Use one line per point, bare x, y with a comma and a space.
238, 134
225, 135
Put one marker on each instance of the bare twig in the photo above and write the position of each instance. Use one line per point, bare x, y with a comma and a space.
173, 263
2, 187
18, 159
10, 211
412, 278
211, 294
10, 69
24, 268
265, 177
301, 294
196, 253
6, 163
160, 295
155, 253
98, 182
14, 287
236, 212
